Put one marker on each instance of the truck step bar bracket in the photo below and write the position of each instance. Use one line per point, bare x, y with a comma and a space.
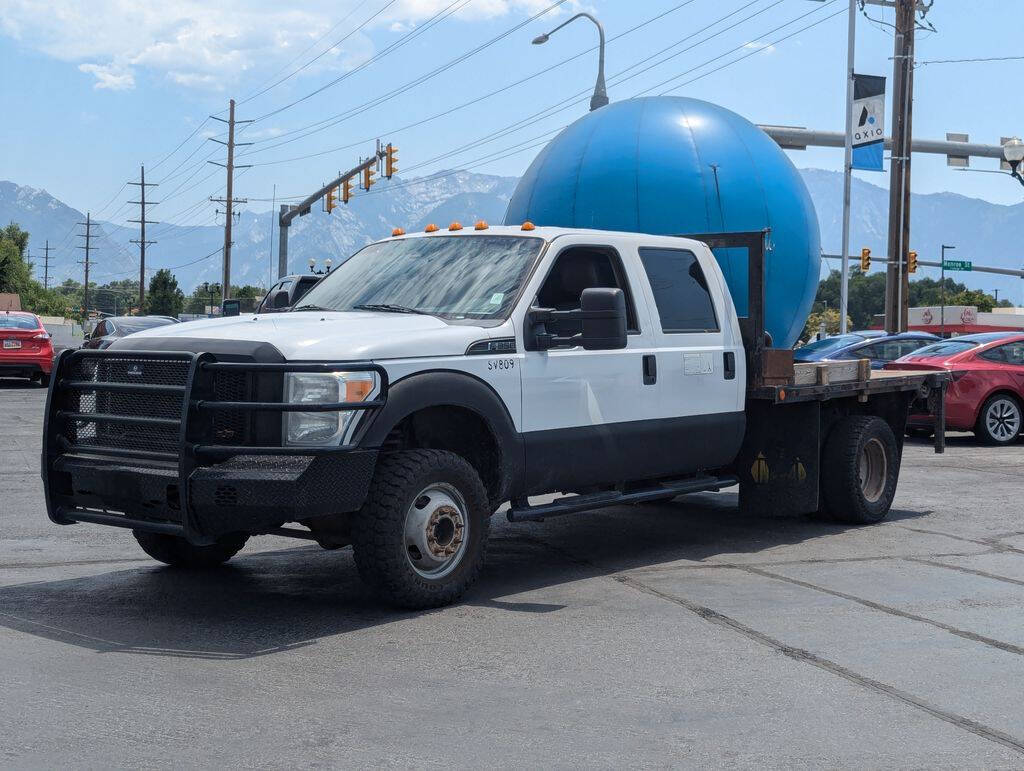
572, 504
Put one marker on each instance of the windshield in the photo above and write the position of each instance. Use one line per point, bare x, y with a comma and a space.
945, 348
830, 344
455, 277
8, 321
137, 325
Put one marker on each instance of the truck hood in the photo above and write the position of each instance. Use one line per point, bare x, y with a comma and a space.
337, 335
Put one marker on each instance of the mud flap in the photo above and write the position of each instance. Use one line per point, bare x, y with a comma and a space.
779, 463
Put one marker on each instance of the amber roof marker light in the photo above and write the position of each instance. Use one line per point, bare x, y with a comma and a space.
397, 232
528, 226
431, 228
455, 226
481, 225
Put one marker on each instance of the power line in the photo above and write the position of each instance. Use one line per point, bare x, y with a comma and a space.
970, 61
334, 120
414, 33
322, 53
567, 101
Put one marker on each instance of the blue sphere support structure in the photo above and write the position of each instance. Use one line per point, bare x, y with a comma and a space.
674, 165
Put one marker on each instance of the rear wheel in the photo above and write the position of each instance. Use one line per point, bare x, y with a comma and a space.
419, 539
919, 432
44, 379
860, 467
173, 550
999, 421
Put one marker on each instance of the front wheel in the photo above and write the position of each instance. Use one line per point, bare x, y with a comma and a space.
419, 539
999, 421
860, 467
176, 551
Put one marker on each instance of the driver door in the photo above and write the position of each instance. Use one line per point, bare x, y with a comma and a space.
584, 412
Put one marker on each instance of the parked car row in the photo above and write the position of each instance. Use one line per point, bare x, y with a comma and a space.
986, 394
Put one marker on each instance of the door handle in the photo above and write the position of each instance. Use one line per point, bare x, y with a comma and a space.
730, 365
650, 369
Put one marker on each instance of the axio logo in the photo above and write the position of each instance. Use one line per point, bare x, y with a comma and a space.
135, 370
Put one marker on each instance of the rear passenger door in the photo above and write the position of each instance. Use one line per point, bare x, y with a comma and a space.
697, 356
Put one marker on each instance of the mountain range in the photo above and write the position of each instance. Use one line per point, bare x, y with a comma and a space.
986, 233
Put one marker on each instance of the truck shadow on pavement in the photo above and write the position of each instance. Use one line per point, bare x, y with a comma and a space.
264, 603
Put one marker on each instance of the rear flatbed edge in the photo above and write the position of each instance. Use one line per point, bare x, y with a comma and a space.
881, 381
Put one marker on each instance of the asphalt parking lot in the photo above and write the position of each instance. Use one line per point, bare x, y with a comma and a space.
675, 634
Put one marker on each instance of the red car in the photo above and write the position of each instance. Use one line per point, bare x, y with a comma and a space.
986, 395
25, 347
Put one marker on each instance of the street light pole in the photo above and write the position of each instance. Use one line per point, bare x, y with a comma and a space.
942, 291
600, 97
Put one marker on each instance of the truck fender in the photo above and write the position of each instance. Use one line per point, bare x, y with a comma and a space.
450, 388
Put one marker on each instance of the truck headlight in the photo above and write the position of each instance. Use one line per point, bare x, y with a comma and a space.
323, 428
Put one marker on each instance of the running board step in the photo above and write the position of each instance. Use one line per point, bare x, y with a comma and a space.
571, 504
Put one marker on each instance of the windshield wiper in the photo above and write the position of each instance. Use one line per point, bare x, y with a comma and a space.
388, 308
312, 308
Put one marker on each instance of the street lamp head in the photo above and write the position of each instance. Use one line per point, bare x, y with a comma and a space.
541, 39
1013, 150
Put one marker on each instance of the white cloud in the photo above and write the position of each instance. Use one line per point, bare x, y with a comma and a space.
758, 45
112, 76
213, 45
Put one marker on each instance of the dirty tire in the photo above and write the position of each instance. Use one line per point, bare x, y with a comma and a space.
860, 467
176, 551
1000, 420
44, 379
379, 530
920, 432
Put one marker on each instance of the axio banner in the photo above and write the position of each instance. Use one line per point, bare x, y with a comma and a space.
868, 122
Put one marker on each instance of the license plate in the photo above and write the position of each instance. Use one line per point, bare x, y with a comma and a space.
12, 343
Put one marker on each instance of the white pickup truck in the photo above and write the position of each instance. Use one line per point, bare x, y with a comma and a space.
434, 377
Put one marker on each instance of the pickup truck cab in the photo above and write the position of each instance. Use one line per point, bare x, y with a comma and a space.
435, 376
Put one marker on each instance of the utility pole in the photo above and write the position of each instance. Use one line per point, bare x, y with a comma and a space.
844, 279
141, 240
228, 200
46, 266
87, 235
897, 285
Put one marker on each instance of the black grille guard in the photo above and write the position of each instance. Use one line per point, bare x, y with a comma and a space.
195, 445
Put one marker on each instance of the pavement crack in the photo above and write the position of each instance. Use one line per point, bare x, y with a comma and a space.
962, 569
807, 657
973, 637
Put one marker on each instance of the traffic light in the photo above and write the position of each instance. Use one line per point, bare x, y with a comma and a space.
912, 262
332, 199
346, 190
391, 157
865, 260
368, 178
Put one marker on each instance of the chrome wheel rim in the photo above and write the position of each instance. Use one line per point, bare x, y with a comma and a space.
1003, 419
873, 470
436, 530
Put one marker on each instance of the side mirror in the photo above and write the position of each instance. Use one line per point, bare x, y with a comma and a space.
601, 316
603, 313
279, 299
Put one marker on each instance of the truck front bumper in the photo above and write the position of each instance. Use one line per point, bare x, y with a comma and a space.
204, 474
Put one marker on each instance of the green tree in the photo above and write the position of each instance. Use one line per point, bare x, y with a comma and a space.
16, 275
831, 318
164, 299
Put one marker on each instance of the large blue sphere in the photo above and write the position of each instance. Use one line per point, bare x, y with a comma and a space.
672, 165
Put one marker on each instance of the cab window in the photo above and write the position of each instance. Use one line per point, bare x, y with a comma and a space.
680, 290
584, 267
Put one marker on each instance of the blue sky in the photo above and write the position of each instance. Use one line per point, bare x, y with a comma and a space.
93, 90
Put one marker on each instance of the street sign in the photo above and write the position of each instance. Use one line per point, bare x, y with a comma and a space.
957, 265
